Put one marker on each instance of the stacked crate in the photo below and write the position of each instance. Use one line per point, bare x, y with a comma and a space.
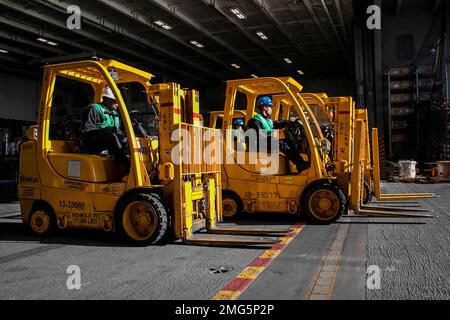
424, 86
447, 145
445, 125
409, 88
401, 92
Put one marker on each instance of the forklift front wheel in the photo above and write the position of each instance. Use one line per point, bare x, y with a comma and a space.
42, 222
142, 219
324, 203
231, 205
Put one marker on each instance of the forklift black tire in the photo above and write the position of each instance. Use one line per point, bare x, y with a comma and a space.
42, 221
170, 233
142, 219
347, 207
323, 203
231, 205
367, 193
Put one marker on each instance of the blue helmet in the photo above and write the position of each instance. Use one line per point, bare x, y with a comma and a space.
239, 122
264, 101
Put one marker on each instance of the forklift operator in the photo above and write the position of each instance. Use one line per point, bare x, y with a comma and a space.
101, 128
263, 126
262, 123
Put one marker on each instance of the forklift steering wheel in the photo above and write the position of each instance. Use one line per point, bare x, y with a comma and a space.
294, 133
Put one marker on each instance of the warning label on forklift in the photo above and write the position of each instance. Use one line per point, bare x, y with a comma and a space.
264, 178
74, 168
78, 218
27, 192
270, 205
76, 185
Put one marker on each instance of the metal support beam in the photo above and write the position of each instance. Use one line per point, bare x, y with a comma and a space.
62, 7
359, 64
22, 40
40, 16
308, 5
381, 121
437, 4
337, 4
42, 33
265, 8
8, 58
338, 37
398, 7
190, 22
144, 21
244, 32
83, 47
19, 51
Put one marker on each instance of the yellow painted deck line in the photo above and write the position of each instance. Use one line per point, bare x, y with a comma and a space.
241, 282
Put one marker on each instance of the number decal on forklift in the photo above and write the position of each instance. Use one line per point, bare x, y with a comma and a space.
72, 205
261, 195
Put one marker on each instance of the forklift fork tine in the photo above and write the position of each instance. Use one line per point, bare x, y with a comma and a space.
390, 214
394, 209
250, 231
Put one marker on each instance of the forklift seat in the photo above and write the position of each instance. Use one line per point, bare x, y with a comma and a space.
87, 168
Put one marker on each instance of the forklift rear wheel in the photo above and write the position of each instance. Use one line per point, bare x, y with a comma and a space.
142, 219
323, 203
367, 196
42, 222
231, 205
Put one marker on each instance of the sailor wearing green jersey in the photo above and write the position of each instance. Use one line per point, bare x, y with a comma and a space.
101, 128
263, 125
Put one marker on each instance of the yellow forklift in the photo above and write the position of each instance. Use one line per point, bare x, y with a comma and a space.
340, 115
320, 105
63, 187
250, 189
253, 186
